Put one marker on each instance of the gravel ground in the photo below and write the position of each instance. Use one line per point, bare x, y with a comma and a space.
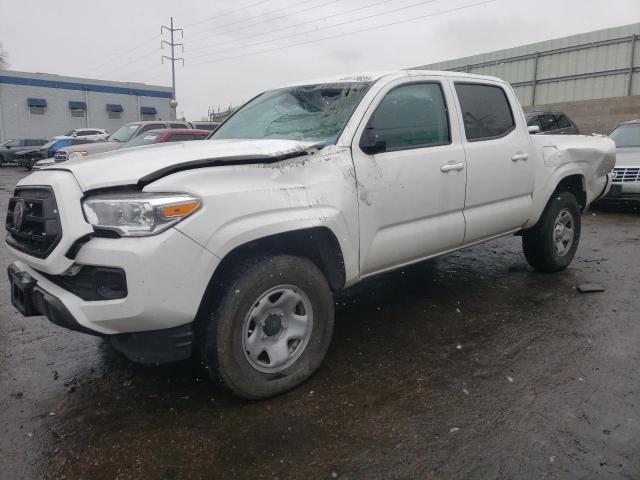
471, 366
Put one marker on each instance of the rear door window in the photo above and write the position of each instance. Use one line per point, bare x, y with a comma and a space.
486, 111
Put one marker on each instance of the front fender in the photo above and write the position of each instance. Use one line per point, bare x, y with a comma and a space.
249, 228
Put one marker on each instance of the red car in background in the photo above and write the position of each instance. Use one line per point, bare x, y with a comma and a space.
163, 135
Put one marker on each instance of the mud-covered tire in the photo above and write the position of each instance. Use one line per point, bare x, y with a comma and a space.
549, 246
225, 333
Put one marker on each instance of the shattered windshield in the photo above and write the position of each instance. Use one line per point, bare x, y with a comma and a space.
306, 113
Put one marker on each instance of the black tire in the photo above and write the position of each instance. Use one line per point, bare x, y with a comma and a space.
221, 342
538, 242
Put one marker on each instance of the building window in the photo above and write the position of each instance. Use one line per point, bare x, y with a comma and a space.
114, 111
148, 113
37, 106
78, 109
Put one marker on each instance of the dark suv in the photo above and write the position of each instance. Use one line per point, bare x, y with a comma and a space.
9, 148
552, 123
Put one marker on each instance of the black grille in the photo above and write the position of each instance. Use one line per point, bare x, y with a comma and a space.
33, 222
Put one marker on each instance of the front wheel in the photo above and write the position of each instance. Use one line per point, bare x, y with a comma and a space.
551, 245
271, 329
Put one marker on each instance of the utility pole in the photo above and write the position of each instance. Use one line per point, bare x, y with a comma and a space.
173, 58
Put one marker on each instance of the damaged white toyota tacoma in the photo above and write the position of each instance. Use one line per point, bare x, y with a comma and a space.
229, 250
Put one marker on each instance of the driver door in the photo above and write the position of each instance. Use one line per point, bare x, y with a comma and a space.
411, 175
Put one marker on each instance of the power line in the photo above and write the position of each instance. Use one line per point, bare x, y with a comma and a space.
144, 69
344, 34
347, 22
128, 50
135, 61
225, 14
287, 27
288, 14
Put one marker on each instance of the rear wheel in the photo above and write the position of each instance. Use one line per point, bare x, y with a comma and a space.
551, 245
271, 329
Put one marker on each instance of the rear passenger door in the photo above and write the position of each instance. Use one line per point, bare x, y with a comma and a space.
411, 193
500, 173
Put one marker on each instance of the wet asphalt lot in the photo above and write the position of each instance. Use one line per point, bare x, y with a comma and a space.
469, 366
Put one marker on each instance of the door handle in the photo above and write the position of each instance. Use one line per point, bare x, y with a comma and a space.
452, 167
520, 156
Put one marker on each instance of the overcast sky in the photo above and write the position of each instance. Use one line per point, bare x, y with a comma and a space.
235, 49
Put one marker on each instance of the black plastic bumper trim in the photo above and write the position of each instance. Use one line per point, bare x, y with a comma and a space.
37, 301
156, 346
150, 347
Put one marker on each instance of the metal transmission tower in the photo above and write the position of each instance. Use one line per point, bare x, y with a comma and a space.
173, 58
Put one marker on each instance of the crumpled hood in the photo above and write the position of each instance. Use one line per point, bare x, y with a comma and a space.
137, 165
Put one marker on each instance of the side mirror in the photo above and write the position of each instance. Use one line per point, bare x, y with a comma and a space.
370, 143
533, 129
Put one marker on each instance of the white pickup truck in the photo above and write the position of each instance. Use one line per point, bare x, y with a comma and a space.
228, 250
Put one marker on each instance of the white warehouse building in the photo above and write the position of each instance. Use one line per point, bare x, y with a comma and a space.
40, 105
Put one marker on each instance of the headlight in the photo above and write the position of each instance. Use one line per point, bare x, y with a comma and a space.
74, 155
138, 214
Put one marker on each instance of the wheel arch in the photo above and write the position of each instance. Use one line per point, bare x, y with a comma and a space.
318, 244
570, 180
576, 185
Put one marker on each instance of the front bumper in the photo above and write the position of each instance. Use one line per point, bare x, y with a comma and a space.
166, 277
159, 346
623, 192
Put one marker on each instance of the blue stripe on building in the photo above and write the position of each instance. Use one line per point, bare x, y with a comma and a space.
35, 82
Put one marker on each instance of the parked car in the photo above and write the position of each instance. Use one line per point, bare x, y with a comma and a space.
9, 148
27, 158
229, 249
163, 135
552, 123
211, 126
626, 174
148, 138
95, 134
118, 138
